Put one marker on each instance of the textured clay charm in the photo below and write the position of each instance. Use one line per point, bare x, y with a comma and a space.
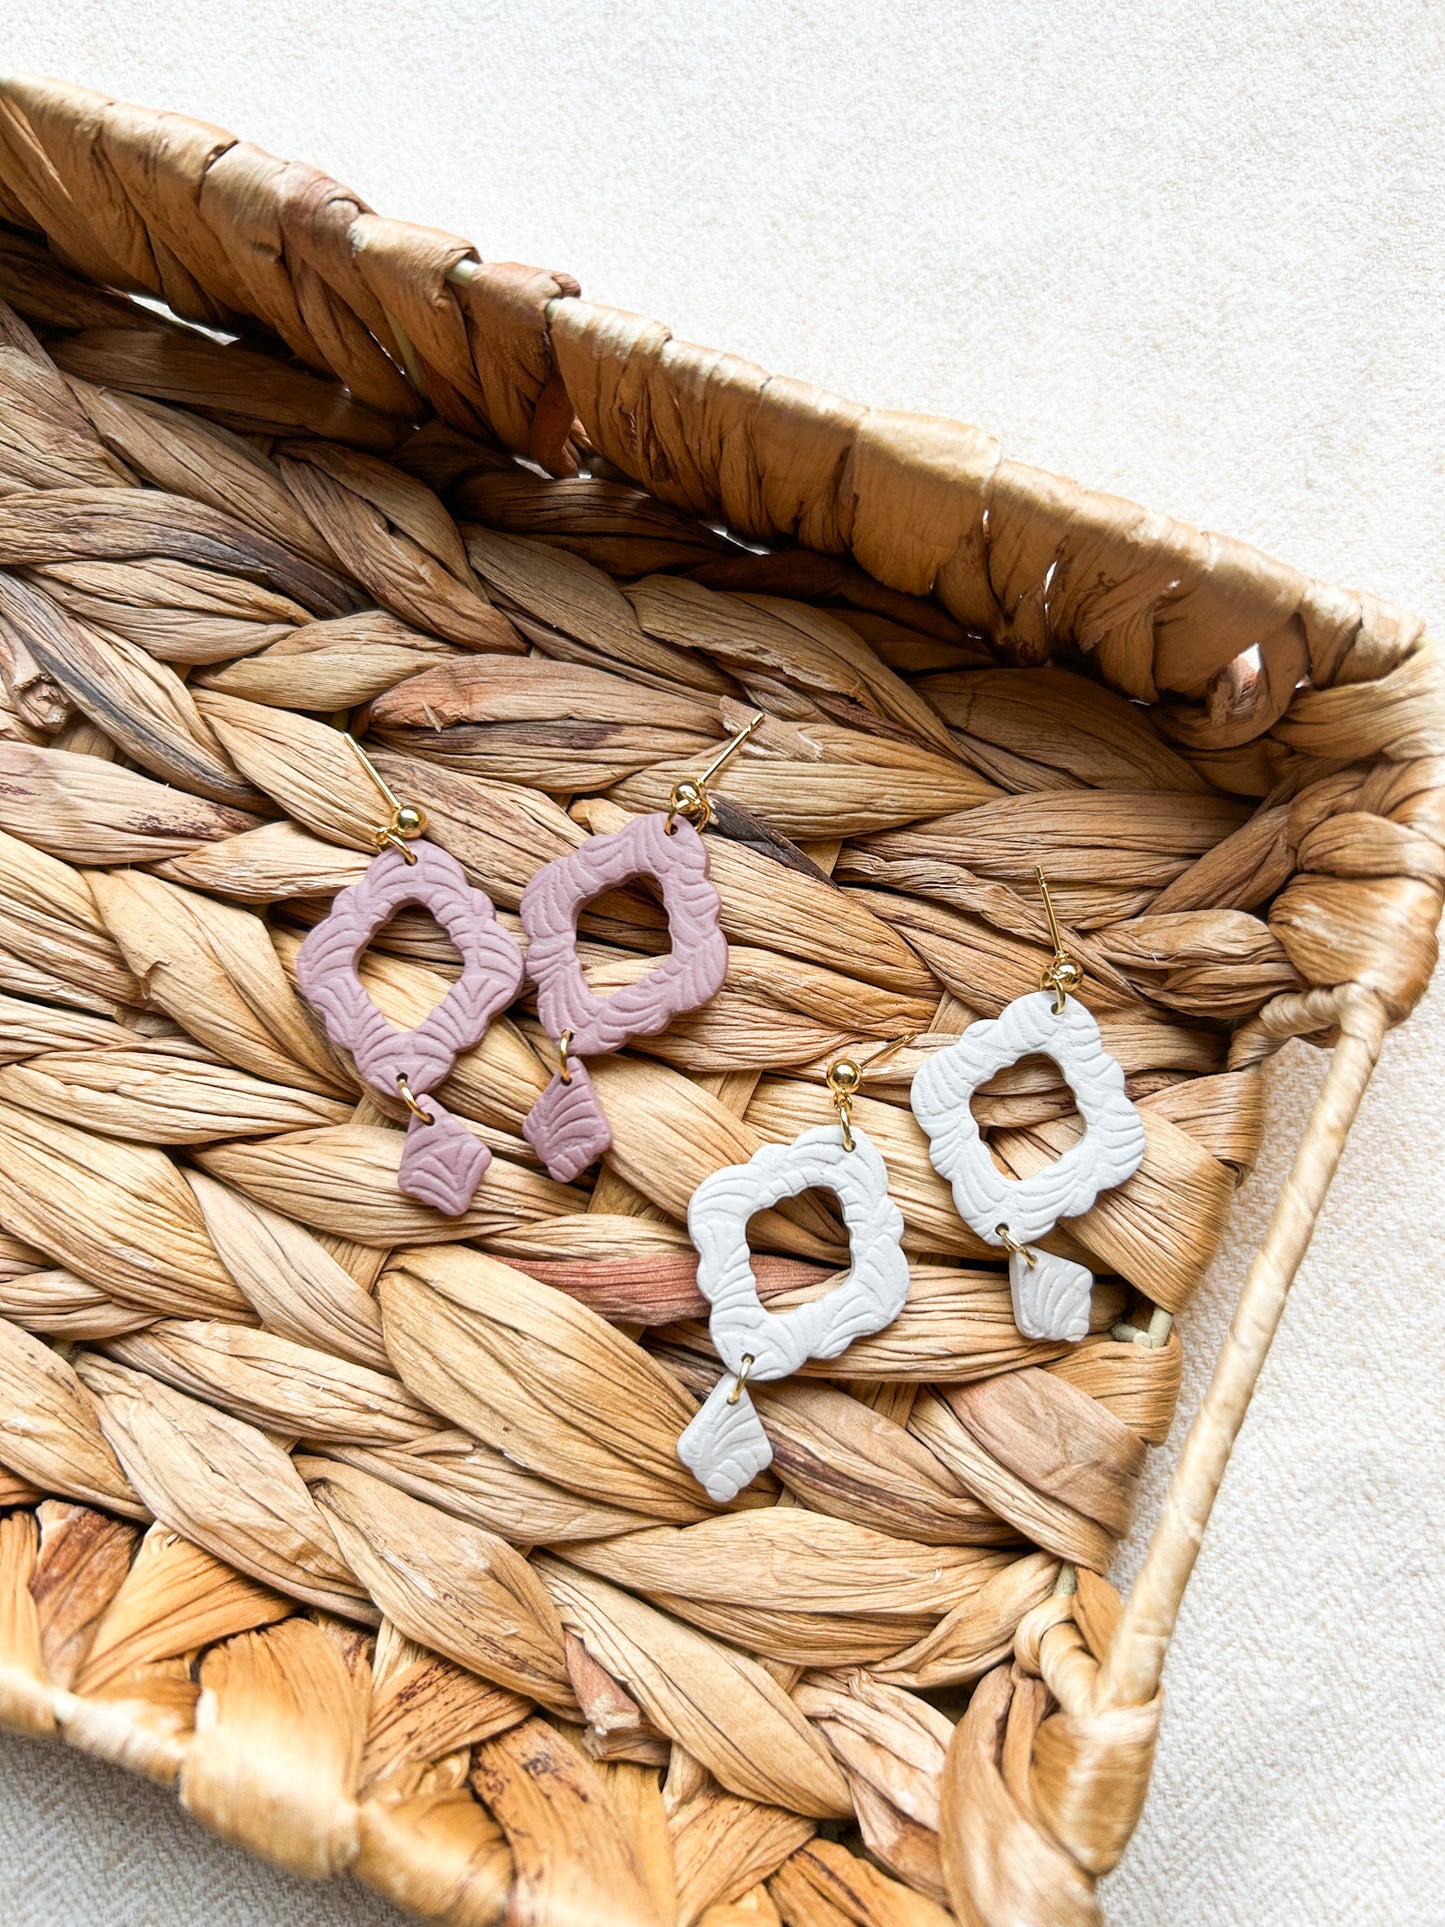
1051, 1295
566, 1126
567, 1119
725, 1446
441, 1162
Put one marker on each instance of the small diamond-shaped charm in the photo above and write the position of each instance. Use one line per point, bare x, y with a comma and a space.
441, 1162
725, 1446
1051, 1295
567, 1127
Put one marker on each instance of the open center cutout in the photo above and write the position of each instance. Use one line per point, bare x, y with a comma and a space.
414, 935
1031, 1092
817, 1217
633, 918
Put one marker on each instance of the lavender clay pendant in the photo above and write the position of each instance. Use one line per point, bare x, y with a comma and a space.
441, 1162
567, 1126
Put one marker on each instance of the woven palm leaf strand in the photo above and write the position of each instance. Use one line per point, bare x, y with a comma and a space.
365, 1528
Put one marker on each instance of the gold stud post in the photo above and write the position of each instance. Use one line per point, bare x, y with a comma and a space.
845, 1079
406, 819
689, 796
1063, 972
889, 1050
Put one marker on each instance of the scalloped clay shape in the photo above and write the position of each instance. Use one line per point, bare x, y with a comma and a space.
725, 1446
567, 1126
441, 1162
1050, 1294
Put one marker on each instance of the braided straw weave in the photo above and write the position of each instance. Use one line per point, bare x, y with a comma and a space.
365, 1528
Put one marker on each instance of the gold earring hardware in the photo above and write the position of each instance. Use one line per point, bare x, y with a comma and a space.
690, 797
1063, 972
564, 1044
410, 1102
740, 1384
1015, 1250
845, 1080
406, 819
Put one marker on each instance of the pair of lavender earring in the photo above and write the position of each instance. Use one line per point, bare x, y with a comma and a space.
442, 1163
725, 1445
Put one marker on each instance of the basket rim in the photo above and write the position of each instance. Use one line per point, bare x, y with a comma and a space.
182, 211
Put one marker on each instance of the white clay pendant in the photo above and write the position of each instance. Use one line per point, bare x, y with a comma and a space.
1050, 1294
725, 1446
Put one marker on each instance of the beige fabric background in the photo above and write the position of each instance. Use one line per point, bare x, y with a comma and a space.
1193, 255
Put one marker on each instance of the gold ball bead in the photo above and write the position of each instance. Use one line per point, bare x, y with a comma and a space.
845, 1077
410, 820
687, 798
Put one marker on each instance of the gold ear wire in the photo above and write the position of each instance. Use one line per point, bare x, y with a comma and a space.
1063, 972
406, 819
689, 796
845, 1081
882, 1055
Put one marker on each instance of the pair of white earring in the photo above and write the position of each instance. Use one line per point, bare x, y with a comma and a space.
725, 1446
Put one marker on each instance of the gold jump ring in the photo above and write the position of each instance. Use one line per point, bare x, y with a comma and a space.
427, 1117
1011, 1244
742, 1379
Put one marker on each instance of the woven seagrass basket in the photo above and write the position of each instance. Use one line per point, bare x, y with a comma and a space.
364, 1527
